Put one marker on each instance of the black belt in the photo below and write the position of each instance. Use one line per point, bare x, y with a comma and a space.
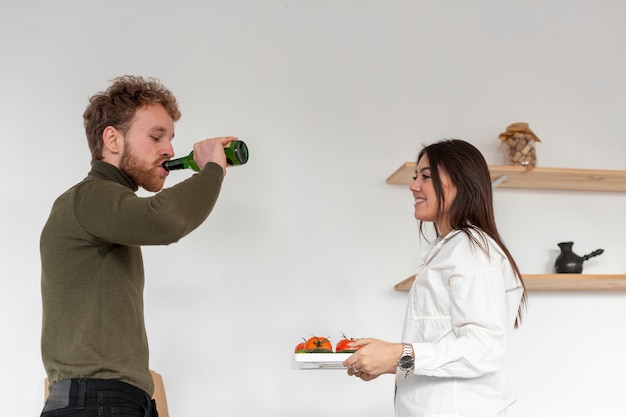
83, 392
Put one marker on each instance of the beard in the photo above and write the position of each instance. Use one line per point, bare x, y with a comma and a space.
145, 177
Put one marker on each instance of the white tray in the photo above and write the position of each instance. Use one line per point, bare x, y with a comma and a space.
319, 360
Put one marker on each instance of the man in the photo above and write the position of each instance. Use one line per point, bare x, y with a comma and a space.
94, 343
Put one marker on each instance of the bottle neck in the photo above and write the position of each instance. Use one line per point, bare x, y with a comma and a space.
173, 164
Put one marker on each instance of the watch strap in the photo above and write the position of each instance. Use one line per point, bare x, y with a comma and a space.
407, 349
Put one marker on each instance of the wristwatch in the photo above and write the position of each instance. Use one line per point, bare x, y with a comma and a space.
406, 362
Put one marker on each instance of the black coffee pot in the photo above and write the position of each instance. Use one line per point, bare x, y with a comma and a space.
568, 262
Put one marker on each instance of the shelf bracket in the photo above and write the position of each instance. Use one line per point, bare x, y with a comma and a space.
498, 181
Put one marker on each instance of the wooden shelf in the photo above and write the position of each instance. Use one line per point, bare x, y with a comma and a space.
510, 176
552, 282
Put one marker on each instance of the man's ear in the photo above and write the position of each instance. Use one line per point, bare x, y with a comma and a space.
112, 140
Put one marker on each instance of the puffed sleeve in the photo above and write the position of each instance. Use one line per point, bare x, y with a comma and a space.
477, 341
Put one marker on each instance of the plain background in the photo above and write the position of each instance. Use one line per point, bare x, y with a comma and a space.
307, 238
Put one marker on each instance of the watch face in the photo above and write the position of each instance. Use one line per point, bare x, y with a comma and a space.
406, 362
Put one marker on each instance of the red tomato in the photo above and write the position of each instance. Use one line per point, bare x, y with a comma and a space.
318, 344
300, 347
342, 345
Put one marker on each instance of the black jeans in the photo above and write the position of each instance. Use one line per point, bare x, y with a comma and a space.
97, 398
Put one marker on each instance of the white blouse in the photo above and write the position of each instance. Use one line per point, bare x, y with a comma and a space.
460, 315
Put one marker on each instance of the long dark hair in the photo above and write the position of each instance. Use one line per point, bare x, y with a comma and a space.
472, 207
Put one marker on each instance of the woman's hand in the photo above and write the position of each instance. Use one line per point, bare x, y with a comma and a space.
374, 358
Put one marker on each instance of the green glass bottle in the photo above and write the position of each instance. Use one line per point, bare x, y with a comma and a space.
236, 154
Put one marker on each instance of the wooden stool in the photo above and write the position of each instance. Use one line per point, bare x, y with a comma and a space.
159, 395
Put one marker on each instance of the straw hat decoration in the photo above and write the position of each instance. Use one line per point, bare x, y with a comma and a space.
519, 143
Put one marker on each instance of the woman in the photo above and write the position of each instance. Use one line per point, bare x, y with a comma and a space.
464, 303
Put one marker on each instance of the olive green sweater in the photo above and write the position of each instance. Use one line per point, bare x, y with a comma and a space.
92, 270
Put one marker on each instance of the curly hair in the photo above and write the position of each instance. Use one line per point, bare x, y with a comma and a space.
117, 106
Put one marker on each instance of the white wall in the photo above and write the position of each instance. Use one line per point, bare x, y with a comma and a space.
331, 98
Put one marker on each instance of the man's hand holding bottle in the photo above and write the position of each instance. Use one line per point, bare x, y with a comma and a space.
212, 150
